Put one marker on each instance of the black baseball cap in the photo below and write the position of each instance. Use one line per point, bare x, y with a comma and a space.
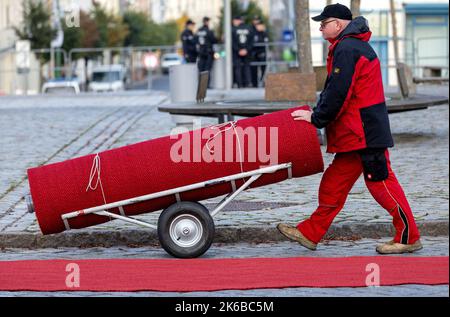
337, 10
190, 22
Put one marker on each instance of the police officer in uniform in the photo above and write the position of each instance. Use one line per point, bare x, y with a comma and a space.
256, 20
259, 52
189, 43
205, 42
242, 49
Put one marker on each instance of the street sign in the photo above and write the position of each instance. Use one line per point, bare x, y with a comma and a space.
288, 35
23, 56
150, 60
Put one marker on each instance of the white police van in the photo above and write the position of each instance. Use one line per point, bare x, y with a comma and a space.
108, 78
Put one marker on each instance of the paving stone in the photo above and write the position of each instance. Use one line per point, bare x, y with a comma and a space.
39, 129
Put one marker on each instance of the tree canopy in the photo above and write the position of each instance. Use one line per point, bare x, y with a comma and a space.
36, 27
252, 10
98, 29
144, 32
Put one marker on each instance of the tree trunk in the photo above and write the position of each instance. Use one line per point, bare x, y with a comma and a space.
303, 36
355, 7
403, 86
394, 32
325, 43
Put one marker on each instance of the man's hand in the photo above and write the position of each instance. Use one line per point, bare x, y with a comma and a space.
302, 115
243, 52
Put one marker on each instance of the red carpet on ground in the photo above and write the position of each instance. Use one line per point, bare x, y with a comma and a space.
171, 275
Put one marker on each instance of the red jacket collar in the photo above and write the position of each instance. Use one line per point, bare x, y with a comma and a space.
362, 36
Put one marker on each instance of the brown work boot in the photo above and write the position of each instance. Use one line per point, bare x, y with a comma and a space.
397, 248
294, 234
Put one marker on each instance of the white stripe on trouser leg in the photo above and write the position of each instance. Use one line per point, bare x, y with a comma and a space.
402, 215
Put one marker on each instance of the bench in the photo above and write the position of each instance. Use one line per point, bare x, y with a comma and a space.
226, 111
253, 108
432, 75
202, 87
430, 80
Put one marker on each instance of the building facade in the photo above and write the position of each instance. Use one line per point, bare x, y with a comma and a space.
426, 37
423, 31
165, 10
10, 17
423, 28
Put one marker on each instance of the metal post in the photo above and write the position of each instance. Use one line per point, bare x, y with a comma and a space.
25, 83
149, 78
228, 45
304, 36
57, 65
52, 62
396, 48
27, 79
132, 72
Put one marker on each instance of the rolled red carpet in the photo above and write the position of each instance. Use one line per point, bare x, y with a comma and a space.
220, 274
149, 167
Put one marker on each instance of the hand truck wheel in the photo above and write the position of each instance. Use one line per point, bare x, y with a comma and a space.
186, 229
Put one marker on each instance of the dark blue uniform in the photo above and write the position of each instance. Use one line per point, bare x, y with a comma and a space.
242, 40
205, 42
189, 46
259, 55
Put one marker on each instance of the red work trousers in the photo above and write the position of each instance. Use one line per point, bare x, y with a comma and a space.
335, 186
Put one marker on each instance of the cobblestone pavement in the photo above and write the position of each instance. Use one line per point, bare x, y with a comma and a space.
432, 247
38, 130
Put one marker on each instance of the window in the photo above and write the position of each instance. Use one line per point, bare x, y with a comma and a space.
430, 20
105, 77
378, 22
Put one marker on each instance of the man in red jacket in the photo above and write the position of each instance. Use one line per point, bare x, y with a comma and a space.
353, 109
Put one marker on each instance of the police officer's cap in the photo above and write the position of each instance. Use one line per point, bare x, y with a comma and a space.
237, 17
337, 10
190, 22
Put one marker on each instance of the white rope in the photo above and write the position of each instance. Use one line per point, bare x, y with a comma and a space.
95, 172
232, 125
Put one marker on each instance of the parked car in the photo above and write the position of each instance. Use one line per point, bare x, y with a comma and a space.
170, 59
107, 78
61, 86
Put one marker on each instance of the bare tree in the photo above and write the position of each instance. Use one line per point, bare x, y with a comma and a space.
394, 31
303, 36
398, 66
325, 43
355, 7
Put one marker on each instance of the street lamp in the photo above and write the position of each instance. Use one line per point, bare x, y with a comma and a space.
150, 61
58, 41
228, 45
